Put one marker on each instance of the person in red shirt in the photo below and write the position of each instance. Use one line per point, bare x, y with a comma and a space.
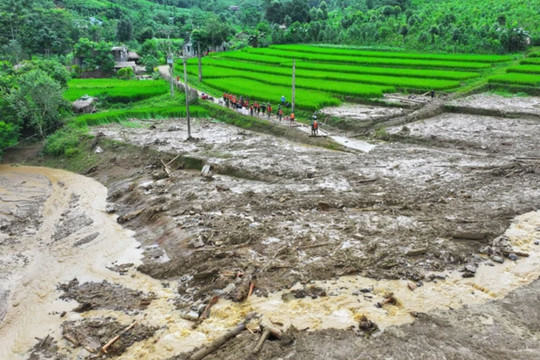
269, 109
280, 113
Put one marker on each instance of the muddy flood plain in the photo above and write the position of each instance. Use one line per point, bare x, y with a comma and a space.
316, 238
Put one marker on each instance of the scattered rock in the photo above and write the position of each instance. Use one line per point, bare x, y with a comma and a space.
110, 208
174, 128
411, 286
487, 250
471, 268
86, 239
196, 242
98, 150
513, 257
497, 259
367, 326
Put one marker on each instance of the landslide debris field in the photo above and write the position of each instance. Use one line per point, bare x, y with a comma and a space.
432, 235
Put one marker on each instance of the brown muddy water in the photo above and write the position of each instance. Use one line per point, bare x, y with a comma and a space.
45, 212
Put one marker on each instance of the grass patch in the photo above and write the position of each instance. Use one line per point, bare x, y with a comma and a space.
158, 107
115, 90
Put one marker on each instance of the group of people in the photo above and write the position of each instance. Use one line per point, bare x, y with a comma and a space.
243, 104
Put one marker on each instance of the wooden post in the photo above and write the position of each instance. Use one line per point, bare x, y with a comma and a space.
293, 84
200, 61
187, 99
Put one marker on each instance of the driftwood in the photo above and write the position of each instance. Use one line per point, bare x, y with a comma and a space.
166, 167
115, 339
268, 330
206, 313
216, 344
251, 287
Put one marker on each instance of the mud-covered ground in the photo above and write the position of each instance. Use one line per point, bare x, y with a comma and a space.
271, 213
284, 212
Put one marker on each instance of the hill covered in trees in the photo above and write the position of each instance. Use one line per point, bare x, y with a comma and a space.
47, 27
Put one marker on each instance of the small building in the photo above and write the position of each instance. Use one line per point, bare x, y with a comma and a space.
189, 50
120, 53
124, 58
234, 7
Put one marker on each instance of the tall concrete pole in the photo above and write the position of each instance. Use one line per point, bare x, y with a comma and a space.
200, 61
170, 61
293, 84
187, 98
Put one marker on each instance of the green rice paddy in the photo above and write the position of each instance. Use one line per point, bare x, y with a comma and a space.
328, 75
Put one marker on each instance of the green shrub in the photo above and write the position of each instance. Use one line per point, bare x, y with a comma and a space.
63, 142
126, 73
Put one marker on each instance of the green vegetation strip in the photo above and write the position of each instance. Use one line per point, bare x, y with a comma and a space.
337, 87
118, 115
341, 69
516, 79
118, 90
531, 69
366, 60
256, 90
387, 54
532, 61
347, 84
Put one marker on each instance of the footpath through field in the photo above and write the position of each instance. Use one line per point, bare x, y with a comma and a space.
353, 144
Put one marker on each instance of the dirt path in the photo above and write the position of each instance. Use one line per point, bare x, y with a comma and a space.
353, 144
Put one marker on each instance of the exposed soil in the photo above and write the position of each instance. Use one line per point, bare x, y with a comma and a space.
267, 213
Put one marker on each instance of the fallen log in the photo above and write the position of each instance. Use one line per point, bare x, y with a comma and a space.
216, 344
206, 313
268, 329
115, 339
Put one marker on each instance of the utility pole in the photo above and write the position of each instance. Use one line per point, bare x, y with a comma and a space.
200, 61
170, 61
293, 84
187, 95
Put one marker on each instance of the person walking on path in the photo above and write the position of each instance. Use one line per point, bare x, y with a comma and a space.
314, 127
263, 108
292, 119
251, 110
269, 109
282, 100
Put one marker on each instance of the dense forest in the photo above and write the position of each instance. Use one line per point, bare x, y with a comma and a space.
43, 37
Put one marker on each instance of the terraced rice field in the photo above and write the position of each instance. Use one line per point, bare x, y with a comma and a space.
527, 74
327, 75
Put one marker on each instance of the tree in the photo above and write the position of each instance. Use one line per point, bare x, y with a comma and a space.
9, 136
147, 33
94, 55
37, 103
124, 30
